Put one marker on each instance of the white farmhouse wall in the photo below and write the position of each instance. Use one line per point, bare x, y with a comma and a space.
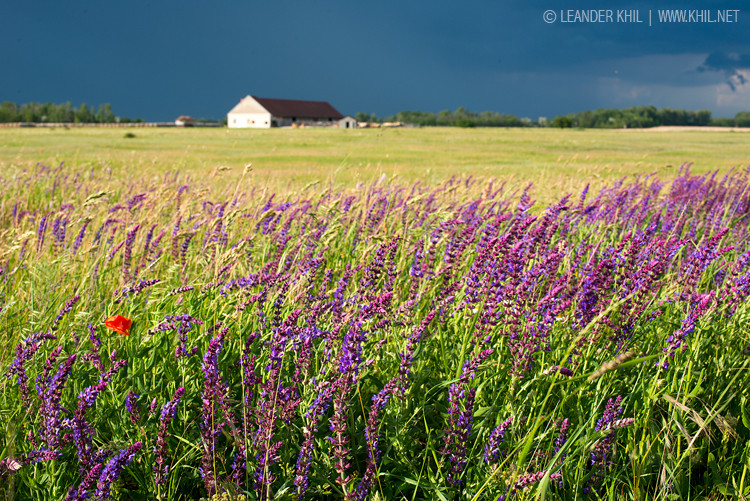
249, 120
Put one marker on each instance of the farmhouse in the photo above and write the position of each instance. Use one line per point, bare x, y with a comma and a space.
262, 113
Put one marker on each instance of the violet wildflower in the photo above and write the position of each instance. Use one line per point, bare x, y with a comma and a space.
65, 309
460, 418
93, 354
677, 341
127, 254
531, 478
59, 229
183, 324
49, 389
82, 431
601, 455
89, 481
154, 251
152, 408
114, 250
314, 414
379, 402
131, 404
41, 231
492, 448
277, 401
562, 437
339, 440
24, 352
180, 290
564, 371
249, 380
214, 391
175, 240
111, 472
184, 249
131, 290
168, 412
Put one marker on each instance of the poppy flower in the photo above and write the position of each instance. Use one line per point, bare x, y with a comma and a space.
120, 324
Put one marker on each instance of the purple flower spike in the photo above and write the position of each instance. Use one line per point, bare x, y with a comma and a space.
131, 404
168, 412
113, 469
24, 352
492, 449
460, 418
601, 455
66, 308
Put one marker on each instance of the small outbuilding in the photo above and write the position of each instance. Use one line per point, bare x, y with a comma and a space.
262, 113
348, 122
185, 121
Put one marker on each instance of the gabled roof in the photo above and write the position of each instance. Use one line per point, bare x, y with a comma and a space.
297, 108
287, 108
248, 104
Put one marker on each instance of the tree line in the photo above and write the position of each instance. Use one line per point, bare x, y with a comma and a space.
60, 113
446, 118
633, 117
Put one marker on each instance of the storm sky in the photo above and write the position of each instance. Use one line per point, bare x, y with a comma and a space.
160, 59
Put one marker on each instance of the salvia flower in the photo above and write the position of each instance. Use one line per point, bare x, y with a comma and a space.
460, 418
214, 392
131, 404
492, 449
24, 352
111, 472
168, 412
65, 309
601, 455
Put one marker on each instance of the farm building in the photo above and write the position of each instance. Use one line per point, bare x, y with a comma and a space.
262, 113
184, 121
348, 123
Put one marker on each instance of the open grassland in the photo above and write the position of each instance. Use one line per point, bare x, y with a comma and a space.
409, 336
556, 161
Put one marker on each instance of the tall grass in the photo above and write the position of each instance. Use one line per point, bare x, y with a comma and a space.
386, 342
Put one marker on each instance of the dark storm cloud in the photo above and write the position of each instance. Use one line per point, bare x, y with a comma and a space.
729, 64
158, 60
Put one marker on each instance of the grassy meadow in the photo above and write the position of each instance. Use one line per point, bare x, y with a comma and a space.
374, 314
556, 161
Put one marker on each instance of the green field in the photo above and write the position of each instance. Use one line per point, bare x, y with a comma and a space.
347, 321
555, 160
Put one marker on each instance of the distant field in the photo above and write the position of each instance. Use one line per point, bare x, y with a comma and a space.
555, 160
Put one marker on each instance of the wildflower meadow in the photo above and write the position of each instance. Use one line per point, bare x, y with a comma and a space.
162, 339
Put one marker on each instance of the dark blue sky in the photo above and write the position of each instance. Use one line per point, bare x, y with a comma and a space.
159, 59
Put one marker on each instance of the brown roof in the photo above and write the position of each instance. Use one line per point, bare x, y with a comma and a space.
298, 109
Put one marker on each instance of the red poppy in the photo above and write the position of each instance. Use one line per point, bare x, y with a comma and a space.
120, 324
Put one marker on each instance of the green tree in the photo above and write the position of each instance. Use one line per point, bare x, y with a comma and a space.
105, 115
83, 115
742, 119
562, 122
362, 117
9, 112
445, 117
